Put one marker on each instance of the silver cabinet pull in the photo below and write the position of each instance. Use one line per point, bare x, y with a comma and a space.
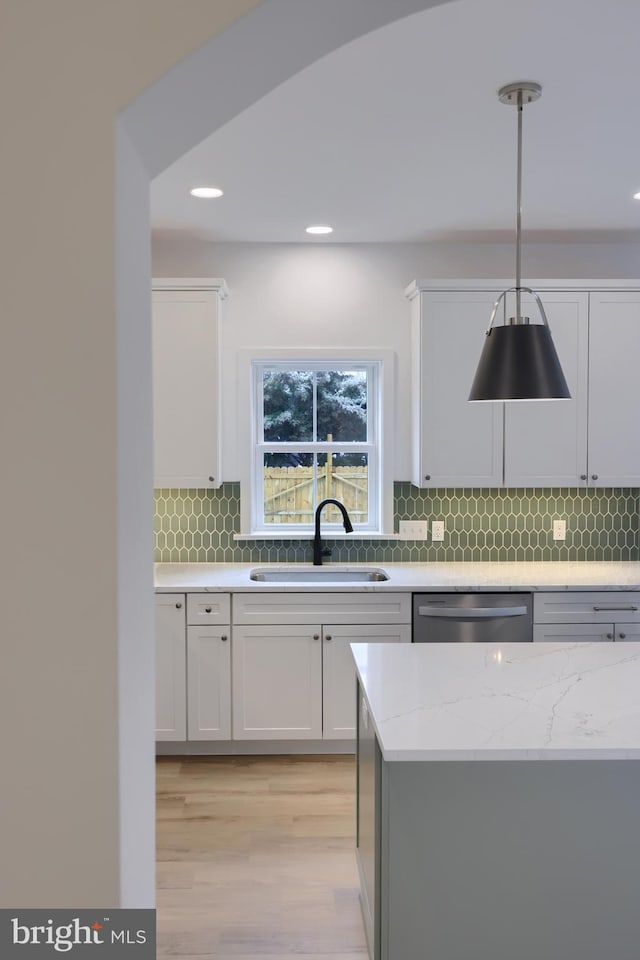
328, 636
616, 606
178, 606
594, 476
477, 613
316, 636
207, 609
609, 636
622, 635
224, 638
427, 476
583, 476
211, 479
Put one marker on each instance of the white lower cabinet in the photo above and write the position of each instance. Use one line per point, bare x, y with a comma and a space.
339, 673
277, 682
171, 718
290, 678
193, 666
629, 632
572, 632
581, 616
293, 676
208, 683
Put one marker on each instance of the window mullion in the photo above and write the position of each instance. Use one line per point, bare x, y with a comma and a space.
318, 448
314, 400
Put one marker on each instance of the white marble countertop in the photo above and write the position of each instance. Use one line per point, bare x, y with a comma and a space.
514, 701
234, 577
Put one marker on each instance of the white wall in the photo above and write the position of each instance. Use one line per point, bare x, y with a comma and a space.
183, 256
76, 670
352, 295
77, 657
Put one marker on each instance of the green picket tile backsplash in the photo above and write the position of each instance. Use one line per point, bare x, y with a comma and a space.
195, 526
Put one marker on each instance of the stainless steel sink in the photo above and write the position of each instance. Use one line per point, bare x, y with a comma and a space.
326, 574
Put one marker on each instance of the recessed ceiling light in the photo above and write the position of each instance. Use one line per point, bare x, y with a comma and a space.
320, 229
636, 196
206, 193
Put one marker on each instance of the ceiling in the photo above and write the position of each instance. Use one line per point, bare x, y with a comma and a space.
399, 136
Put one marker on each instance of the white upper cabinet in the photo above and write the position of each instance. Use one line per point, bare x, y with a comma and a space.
186, 382
545, 442
455, 443
589, 440
614, 389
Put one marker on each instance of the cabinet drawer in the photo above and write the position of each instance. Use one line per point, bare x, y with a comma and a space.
326, 608
573, 633
577, 607
208, 608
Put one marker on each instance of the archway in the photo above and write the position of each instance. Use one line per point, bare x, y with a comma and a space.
265, 48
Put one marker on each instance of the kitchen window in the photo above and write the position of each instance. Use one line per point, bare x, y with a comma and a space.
317, 431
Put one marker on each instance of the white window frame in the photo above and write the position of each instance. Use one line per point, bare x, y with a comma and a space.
378, 445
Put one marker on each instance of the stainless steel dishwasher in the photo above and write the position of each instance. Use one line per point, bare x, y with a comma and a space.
472, 617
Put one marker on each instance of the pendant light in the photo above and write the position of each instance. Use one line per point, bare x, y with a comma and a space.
518, 359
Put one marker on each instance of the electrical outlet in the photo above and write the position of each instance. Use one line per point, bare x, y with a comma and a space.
413, 529
559, 529
437, 530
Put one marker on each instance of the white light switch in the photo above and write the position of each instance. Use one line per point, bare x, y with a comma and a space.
437, 530
413, 529
559, 529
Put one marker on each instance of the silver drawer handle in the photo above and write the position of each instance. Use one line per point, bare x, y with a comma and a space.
207, 609
614, 606
461, 613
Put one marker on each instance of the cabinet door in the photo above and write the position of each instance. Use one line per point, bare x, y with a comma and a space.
339, 673
208, 683
545, 443
614, 389
572, 632
277, 683
455, 443
171, 705
186, 388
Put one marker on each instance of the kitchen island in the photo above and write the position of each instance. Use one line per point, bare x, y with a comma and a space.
498, 801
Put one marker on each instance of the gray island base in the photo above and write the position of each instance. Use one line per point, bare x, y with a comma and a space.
530, 858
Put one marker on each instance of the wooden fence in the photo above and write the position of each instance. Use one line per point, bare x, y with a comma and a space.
288, 493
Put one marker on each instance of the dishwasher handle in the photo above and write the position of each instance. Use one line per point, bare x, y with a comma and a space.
472, 613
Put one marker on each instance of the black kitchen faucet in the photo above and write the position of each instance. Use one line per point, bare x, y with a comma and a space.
318, 552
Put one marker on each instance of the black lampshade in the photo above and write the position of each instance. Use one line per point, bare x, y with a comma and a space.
519, 362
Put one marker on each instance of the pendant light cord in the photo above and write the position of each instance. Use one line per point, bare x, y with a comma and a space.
519, 212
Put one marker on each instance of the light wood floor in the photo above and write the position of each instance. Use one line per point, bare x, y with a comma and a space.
256, 859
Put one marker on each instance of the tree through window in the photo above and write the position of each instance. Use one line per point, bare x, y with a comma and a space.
316, 437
